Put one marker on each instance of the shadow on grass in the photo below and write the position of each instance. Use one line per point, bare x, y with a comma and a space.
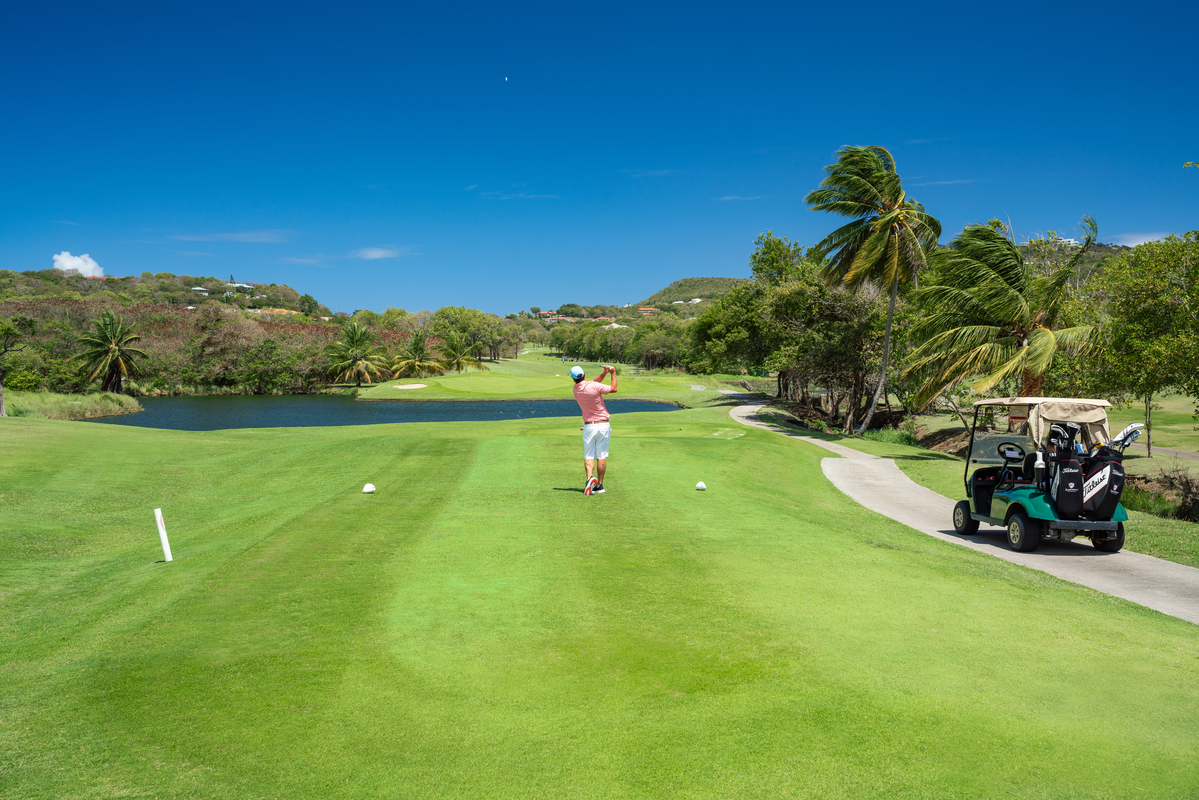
564, 489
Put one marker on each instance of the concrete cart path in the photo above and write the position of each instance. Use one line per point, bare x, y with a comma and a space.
880, 486
1166, 451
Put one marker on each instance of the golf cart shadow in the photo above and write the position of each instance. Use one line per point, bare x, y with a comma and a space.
996, 539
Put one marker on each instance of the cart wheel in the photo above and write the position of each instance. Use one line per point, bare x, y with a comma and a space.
1111, 545
963, 524
1022, 534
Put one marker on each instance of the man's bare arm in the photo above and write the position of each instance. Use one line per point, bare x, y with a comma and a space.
613, 371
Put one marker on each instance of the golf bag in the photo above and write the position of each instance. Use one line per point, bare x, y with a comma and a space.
1103, 484
1067, 481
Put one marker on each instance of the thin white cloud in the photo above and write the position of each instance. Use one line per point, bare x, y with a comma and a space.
928, 141
318, 261
739, 197
472, 186
266, 236
945, 183
84, 264
372, 253
65, 222
1133, 239
192, 253
647, 173
517, 196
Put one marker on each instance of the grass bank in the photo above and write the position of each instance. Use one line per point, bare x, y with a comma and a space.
478, 628
49, 405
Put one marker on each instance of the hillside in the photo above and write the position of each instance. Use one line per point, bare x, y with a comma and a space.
690, 288
162, 288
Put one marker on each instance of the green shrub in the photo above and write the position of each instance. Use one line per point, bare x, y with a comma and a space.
1183, 483
894, 436
23, 380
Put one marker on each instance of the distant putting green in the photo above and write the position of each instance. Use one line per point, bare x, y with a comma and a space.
539, 376
478, 628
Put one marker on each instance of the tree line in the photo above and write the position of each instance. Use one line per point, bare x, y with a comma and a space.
880, 308
74, 346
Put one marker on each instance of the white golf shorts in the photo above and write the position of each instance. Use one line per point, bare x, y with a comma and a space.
595, 439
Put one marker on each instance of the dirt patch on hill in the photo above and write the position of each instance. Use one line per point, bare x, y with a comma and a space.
947, 440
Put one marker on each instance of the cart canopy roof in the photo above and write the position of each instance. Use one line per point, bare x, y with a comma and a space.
1033, 401
1041, 412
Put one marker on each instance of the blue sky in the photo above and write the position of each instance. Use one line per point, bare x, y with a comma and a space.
501, 156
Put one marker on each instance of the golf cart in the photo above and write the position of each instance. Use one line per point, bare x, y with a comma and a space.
1054, 473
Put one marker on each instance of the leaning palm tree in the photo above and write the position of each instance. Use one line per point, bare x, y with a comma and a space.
887, 243
415, 359
457, 354
110, 352
993, 316
356, 357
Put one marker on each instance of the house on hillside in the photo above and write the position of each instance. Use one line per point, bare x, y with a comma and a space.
645, 312
694, 301
201, 290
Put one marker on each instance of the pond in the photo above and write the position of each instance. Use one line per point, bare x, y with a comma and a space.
306, 411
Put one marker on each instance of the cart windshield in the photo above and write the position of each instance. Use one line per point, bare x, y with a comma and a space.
986, 446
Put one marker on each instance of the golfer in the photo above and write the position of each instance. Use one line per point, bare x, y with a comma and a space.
596, 428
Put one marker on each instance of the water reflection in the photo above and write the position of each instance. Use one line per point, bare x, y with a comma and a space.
304, 411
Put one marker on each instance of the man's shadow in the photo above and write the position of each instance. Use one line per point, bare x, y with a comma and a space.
563, 489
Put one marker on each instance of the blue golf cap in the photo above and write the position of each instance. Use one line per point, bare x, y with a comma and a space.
576, 372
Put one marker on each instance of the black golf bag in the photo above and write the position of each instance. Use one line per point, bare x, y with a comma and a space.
1067, 480
1103, 484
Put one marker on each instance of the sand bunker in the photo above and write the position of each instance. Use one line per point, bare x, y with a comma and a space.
410, 386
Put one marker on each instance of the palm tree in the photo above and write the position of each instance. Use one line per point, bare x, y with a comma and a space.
888, 241
109, 351
457, 354
993, 315
415, 360
355, 356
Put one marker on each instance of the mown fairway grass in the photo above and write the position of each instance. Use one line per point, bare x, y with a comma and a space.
539, 376
1174, 424
478, 628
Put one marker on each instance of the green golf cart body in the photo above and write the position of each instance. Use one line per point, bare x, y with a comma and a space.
1005, 481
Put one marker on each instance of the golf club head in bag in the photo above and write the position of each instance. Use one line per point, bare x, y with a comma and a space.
1127, 436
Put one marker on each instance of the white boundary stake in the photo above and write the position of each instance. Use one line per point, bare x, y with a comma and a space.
162, 534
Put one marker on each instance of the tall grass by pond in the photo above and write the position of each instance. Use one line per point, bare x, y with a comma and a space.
162, 389
49, 405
